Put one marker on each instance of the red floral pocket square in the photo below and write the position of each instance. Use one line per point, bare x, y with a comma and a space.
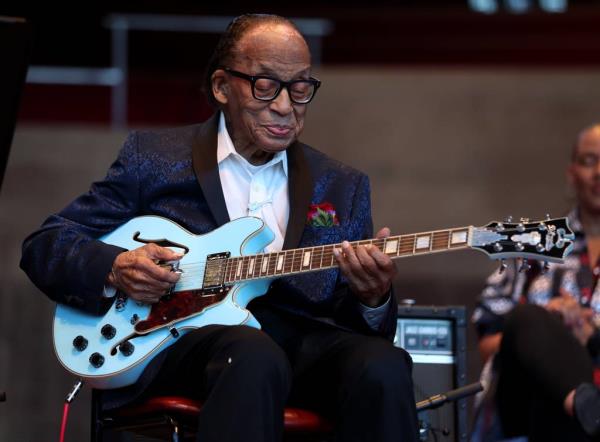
322, 215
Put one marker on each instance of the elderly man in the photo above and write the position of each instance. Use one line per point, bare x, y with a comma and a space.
326, 337
545, 357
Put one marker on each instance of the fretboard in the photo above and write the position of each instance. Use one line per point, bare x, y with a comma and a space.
310, 259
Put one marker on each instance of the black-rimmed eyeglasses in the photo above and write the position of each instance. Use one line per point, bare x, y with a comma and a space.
268, 88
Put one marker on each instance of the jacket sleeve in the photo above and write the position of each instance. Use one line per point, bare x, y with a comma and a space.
64, 257
347, 305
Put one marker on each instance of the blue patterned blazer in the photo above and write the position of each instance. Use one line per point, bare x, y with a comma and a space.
173, 173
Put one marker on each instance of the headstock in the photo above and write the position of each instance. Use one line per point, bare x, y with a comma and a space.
550, 240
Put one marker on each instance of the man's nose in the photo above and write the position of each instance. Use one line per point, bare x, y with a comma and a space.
282, 104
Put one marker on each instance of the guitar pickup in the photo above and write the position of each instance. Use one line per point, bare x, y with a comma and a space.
214, 273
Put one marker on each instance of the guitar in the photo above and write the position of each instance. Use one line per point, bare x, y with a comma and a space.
222, 271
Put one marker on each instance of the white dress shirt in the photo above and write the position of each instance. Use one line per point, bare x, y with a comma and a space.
249, 190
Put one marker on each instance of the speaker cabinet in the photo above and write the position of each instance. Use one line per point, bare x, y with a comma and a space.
436, 339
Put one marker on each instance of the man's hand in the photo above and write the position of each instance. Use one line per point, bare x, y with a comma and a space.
369, 271
136, 273
577, 318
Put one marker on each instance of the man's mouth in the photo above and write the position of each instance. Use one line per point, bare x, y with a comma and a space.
278, 130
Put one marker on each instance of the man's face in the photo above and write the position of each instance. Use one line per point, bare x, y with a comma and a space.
258, 127
584, 171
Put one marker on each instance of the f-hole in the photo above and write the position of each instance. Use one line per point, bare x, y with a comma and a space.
160, 242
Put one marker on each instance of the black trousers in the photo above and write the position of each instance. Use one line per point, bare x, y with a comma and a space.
245, 378
539, 363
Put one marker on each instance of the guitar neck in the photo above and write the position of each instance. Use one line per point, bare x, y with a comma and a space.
311, 259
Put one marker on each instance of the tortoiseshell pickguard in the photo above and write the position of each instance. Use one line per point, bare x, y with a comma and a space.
178, 306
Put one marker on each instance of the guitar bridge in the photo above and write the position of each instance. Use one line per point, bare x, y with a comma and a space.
214, 273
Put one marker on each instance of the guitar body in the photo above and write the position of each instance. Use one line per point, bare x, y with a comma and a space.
82, 341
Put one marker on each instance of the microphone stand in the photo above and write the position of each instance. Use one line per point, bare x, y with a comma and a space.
437, 401
450, 396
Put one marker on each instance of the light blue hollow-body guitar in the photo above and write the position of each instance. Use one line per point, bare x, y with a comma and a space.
222, 271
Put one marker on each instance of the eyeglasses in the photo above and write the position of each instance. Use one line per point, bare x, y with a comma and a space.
268, 88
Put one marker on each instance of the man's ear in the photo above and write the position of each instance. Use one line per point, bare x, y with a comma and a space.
220, 87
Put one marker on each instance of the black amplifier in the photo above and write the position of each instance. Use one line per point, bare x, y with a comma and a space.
436, 338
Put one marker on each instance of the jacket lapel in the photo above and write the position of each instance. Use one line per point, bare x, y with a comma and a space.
204, 160
300, 187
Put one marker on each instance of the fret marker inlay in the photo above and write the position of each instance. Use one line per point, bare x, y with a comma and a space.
306, 260
391, 247
422, 242
459, 237
251, 267
238, 272
265, 263
279, 263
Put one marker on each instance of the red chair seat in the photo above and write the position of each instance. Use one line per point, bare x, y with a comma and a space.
184, 410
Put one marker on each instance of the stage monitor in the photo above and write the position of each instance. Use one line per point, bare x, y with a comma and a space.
435, 337
15, 43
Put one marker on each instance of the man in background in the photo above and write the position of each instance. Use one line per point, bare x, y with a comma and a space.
538, 331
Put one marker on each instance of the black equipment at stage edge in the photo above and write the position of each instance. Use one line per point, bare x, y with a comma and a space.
436, 339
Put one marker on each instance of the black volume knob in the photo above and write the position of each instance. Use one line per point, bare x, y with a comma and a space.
108, 331
80, 343
126, 348
96, 359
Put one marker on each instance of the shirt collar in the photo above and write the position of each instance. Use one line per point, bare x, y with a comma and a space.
225, 148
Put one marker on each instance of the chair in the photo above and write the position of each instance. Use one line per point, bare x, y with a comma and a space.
175, 418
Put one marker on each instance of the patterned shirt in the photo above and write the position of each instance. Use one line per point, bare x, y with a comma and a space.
503, 291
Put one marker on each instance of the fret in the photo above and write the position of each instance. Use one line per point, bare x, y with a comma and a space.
441, 240
298, 254
259, 260
407, 244
273, 263
227, 269
321, 253
232, 264
330, 256
245, 262
297, 265
288, 260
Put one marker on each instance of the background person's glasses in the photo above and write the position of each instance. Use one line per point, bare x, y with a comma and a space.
268, 88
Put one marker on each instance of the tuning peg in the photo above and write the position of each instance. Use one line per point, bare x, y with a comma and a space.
547, 217
542, 227
540, 247
524, 266
500, 227
521, 227
502, 266
498, 247
509, 219
519, 247
545, 267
